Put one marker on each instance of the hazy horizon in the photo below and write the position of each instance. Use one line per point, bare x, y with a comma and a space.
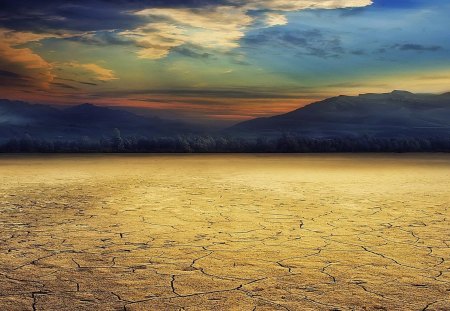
210, 123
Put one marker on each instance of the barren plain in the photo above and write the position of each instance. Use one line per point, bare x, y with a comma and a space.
225, 232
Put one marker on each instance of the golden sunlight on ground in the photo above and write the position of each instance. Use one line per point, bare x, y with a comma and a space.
225, 232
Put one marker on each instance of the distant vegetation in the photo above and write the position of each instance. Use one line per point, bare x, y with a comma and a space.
286, 143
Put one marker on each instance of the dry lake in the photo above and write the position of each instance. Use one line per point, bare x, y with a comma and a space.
225, 232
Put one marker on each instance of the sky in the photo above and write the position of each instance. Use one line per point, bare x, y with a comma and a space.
220, 61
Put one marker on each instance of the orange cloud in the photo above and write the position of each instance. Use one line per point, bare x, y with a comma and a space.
100, 73
23, 64
94, 71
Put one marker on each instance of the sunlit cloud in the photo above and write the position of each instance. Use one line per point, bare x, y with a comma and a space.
218, 27
289, 5
214, 27
96, 72
275, 19
100, 73
156, 39
27, 67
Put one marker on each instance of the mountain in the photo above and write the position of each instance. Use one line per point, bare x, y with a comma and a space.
389, 115
42, 121
395, 114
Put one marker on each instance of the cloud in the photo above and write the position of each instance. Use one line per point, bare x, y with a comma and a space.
312, 42
215, 28
290, 5
77, 81
100, 73
158, 26
228, 93
275, 19
22, 68
434, 77
218, 27
101, 38
64, 85
23, 65
417, 47
97, 15
9, 74
192, 52
156, 39
68, 16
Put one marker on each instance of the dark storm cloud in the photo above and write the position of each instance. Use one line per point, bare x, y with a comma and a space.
417, 47
211, 93
9, 74
355, 85
62, 17
14, 79
311, 42
358, 52
409, 47
76, 81
64, 85
192, 53
87, 83
102, 38
82, 15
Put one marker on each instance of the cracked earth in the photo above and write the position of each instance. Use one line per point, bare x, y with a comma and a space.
225, 232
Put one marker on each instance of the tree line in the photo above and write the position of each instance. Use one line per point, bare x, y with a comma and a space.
285, 143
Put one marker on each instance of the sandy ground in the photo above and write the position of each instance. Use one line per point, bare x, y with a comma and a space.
225, 232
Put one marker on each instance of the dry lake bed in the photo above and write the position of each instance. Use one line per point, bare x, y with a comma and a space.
225, 232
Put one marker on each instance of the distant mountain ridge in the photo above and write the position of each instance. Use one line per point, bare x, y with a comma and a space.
42, 121
390, 115
395, 114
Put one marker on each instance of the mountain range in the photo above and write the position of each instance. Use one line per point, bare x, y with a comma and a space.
43, 121
395, 114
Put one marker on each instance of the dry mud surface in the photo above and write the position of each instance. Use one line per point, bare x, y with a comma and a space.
225, 232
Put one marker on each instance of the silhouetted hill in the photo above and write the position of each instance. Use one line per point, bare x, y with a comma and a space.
18, 118
396, 114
